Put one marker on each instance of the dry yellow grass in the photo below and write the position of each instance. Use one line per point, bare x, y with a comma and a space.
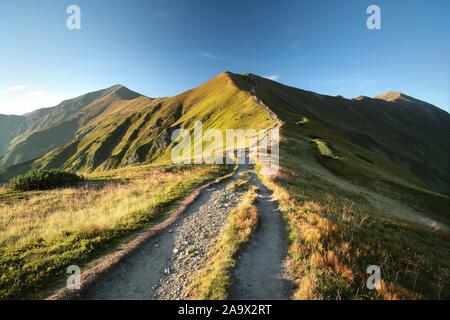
41, 233
44, 215
391, 291
317, 256
334, 236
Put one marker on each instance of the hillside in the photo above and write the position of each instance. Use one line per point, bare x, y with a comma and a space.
8, 130
39, 132
392, 139
110, 132
404, 137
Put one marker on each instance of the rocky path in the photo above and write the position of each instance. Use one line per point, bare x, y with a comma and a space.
259, 272
161, 268
193, 240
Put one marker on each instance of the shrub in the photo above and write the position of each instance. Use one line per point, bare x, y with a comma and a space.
39, 179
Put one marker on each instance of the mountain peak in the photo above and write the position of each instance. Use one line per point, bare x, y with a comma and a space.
392, 96
123, 92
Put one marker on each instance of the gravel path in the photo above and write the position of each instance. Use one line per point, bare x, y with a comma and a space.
161, 268
259, 272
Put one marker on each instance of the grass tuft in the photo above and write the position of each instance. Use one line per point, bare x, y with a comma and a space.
325, 149
303, 121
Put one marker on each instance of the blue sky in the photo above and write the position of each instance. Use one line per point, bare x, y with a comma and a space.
161, 48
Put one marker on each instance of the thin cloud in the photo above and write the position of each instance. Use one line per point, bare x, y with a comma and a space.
210, 56
273, 77
17, 88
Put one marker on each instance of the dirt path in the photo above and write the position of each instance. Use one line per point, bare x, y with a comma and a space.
161, 268
259, 271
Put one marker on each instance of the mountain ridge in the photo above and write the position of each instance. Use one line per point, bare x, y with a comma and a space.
70, 115
116, 127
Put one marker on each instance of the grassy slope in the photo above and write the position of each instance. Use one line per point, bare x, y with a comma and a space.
45, 129
48, 130
8, 130
44, 232
335, 235
139, 130
335, 231
339, 124
364, 168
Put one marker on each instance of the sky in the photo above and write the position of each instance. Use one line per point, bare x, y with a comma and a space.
164, 47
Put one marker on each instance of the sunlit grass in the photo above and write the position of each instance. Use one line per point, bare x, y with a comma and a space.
43, 232
334, 237
325, 149
303, 121
240, 183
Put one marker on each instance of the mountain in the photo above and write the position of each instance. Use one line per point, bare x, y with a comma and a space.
392, 141
43, 130
116, 127
405, 137
8, 130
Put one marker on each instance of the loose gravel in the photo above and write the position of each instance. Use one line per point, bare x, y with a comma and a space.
162, 267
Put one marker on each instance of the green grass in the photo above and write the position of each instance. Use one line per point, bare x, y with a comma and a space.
431, 202
138, 131
43, 232
325, 149
303, 121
